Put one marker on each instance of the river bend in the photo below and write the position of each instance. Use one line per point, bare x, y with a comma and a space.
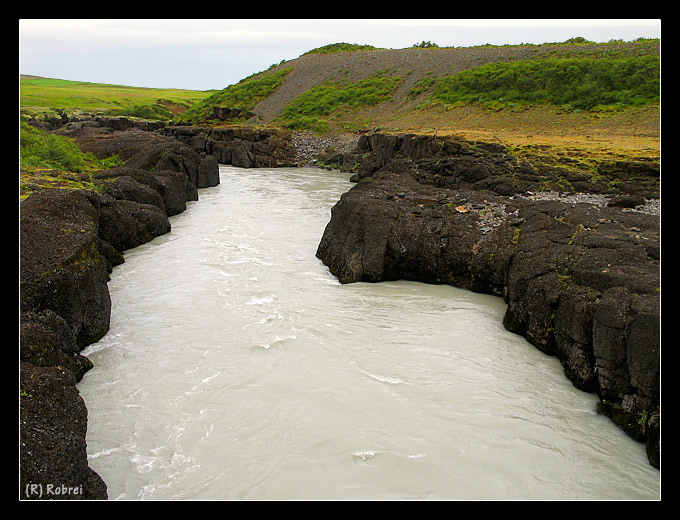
238, 368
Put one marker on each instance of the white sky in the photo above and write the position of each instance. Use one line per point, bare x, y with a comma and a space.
212, 54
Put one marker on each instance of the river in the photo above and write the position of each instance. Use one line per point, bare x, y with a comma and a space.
238, 368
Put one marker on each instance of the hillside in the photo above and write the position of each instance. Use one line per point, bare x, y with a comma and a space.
333, 90
633, 131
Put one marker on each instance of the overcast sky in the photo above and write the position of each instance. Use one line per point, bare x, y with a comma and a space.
212, 54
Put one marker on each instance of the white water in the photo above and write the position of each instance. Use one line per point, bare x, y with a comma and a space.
238, 368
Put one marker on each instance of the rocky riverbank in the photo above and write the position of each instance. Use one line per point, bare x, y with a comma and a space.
70, 240
579, 271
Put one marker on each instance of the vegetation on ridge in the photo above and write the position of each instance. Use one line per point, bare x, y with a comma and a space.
312, 109
55, 160
578, 83
242, 96
41, 149
341, 47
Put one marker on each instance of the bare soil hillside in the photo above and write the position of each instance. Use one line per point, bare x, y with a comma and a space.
634, 133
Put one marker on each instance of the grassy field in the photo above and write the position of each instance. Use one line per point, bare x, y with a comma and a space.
45, 95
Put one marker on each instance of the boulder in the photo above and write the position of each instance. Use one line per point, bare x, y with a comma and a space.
61, 266
47, 340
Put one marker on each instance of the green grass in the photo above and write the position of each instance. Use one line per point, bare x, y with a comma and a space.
584, 83
341, 47
312, 109
42, 97
243, 95
41, 149
52, 160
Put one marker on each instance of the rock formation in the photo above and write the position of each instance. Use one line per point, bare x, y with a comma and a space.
69, 242
581, 279
239, 146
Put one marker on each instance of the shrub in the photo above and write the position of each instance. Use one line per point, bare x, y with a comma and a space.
332, 96
425, 45
243, 95
581, 83
142, 111
340, 47
38, 148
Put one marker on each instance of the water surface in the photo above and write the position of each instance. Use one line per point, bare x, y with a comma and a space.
238, 368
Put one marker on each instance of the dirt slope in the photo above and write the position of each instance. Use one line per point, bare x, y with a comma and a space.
636, 133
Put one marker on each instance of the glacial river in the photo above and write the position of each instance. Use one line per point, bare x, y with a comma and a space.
238, 368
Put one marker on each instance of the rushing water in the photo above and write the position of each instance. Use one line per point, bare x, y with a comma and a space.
238, 368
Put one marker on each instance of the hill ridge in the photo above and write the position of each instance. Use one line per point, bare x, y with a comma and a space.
413, 64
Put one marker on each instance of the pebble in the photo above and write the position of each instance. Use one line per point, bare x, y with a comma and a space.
650, 207
308, 146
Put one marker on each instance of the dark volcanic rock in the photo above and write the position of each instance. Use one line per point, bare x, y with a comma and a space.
149, 151
457, 163
376, 234
53, 418
65, 305
239, 146
169, 190
581, 280
61, 267
47, 340
69, 242
208, 172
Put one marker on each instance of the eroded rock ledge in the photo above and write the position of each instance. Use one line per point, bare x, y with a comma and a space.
69, 242
581, 279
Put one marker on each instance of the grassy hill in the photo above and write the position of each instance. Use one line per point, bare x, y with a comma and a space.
575, 95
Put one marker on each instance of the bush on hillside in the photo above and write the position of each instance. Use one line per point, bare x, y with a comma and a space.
582, 83
41, 149
244, 95
323, 100
340, 47
152, 111
38, 148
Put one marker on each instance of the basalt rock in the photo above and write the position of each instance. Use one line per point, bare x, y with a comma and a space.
69, 242
581, 280
53, 419
148, 151
239, 146
65, 305
61, 267
230, 114
46, 340
456, 163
